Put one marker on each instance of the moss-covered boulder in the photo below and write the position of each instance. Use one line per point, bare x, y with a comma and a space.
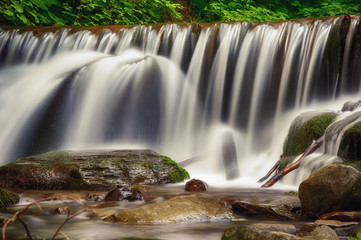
304, 129
8, 198
90, 170
335, 187
178, 209
350, 146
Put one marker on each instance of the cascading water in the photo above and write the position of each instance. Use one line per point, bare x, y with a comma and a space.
177, 90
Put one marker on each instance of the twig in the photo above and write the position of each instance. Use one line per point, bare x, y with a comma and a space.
16, 215
315, 145
274, 168
67, 219
26, 227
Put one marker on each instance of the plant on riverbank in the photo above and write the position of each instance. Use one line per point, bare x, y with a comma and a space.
87, 12
358, 237
17, 215
131, 12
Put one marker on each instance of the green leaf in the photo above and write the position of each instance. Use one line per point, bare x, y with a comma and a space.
7, 12
18, 7
34, 15
57, 20
40, 4
23, 18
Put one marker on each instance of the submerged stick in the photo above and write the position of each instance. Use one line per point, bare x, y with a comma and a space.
315, 145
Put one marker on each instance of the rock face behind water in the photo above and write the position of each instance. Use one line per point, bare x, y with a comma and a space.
91, 170
335, 187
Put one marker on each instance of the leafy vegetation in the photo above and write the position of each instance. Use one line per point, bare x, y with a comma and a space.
353, 238
87, 12
129, 12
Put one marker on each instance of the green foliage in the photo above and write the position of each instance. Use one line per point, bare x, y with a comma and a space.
130, 12
87, 12
358, 237
266, 10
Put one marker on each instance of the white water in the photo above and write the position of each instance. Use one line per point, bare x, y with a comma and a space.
177, 90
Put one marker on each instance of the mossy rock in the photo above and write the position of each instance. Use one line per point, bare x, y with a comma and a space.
8, 198
90, 170
335, 187
304, 129
350, 146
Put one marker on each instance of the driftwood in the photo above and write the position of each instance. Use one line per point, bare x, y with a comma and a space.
315, 145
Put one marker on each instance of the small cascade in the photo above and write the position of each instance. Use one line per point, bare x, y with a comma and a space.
184, 91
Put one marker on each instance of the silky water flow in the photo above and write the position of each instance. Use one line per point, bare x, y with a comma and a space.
223, 95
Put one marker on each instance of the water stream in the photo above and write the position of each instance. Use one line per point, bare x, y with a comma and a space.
176, 89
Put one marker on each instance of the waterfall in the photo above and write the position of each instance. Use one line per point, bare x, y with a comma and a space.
176, 89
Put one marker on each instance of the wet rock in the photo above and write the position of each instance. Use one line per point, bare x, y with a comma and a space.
304, 129
306, 229
93, 197
341, 228
195, 185
334, 223
178, 209
124, 193
8, 198
350, 106
350, 146
262, 232
335, 187
277, 210
345, 216
60, 210
322, 233
90, 170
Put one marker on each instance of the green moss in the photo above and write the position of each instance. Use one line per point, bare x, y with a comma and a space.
302, 132
8, 198
179, 174
146, 165
285, 163
356, 165
350, 146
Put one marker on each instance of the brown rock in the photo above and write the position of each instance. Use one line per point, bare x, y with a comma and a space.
195, 185
178, 209
335, 187
345, 216
123, 193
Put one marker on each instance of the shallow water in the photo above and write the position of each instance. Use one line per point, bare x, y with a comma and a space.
89, 226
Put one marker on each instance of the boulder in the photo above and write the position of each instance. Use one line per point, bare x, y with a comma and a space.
90, 170
335, 187
350, 146
304, 129
8, 198
260, 231
178, 209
